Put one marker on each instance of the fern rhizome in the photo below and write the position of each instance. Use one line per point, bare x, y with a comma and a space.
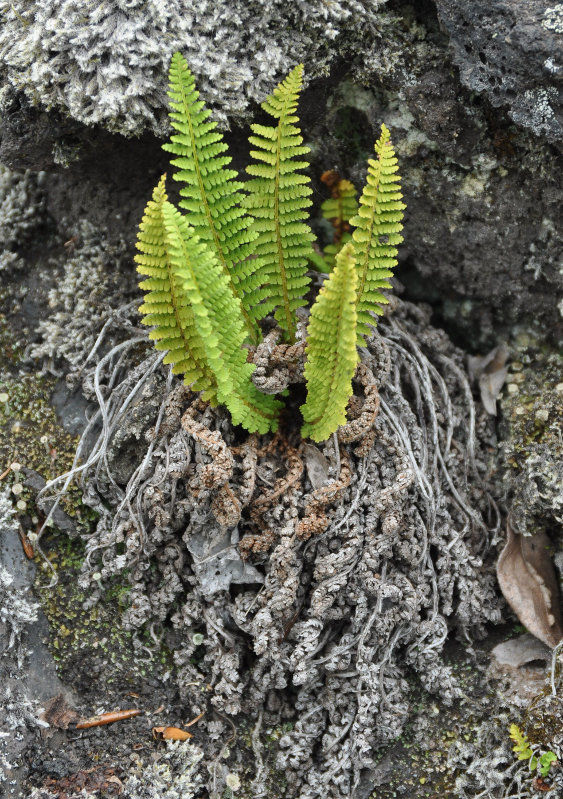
235, 253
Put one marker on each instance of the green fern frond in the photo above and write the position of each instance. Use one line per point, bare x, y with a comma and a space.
522, 748
332, 356
211, 194
342, 206
167, 306
331, 251
219, 322
338, 210
377, 234
278, 197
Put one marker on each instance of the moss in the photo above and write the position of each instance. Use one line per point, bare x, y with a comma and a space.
88, 641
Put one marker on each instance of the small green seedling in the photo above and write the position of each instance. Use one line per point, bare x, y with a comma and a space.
524, 751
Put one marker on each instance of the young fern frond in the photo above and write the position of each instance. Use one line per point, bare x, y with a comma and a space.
332, 356
342, 206
339, 209
278, 197
377, 232
219, 322
211, 194
167, 306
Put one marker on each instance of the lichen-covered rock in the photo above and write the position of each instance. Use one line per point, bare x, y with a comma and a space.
483, 231
514, 53
105, 62
87, 292
22, 209
532, 410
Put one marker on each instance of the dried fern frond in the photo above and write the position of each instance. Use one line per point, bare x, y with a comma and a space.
377, 232
167, 306
219, 322
332, 356
211, 193
278, 197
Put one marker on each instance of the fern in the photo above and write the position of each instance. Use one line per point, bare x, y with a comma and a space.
524, 751
332, 356
214, 271
338, 209
278, 197
219, 322
211, 194
167, 306
377, 234
522, 748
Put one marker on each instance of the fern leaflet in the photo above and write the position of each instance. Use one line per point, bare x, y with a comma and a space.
219, 322
338, 209
278, 197
211, 194
377, 234
332, 356
167, 306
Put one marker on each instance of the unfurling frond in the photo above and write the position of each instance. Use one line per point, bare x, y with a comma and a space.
332, 356
211, 194
278, 197
377, 232
167, 306
219, 322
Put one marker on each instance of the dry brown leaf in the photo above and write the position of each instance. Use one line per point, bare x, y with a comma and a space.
58, 713
529, 583
171, 733
107, 718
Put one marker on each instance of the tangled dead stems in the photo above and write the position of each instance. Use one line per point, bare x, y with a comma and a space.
354, 573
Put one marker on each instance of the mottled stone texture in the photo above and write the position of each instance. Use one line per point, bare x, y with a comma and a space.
512, 51
471, 92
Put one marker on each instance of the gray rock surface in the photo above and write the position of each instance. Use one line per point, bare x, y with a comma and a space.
513, 52
105, 63
27, 670
481, 169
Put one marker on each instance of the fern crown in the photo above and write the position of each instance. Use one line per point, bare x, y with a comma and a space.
234, 253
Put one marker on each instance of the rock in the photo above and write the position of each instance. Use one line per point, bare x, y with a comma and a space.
108, 66
483, 241
27, 669
513, 53
519, 651
217, 561
532, 408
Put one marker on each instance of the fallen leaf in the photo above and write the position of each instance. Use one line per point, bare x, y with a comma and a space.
529, 583
171, 733
107, 718
58, 713
26, 544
